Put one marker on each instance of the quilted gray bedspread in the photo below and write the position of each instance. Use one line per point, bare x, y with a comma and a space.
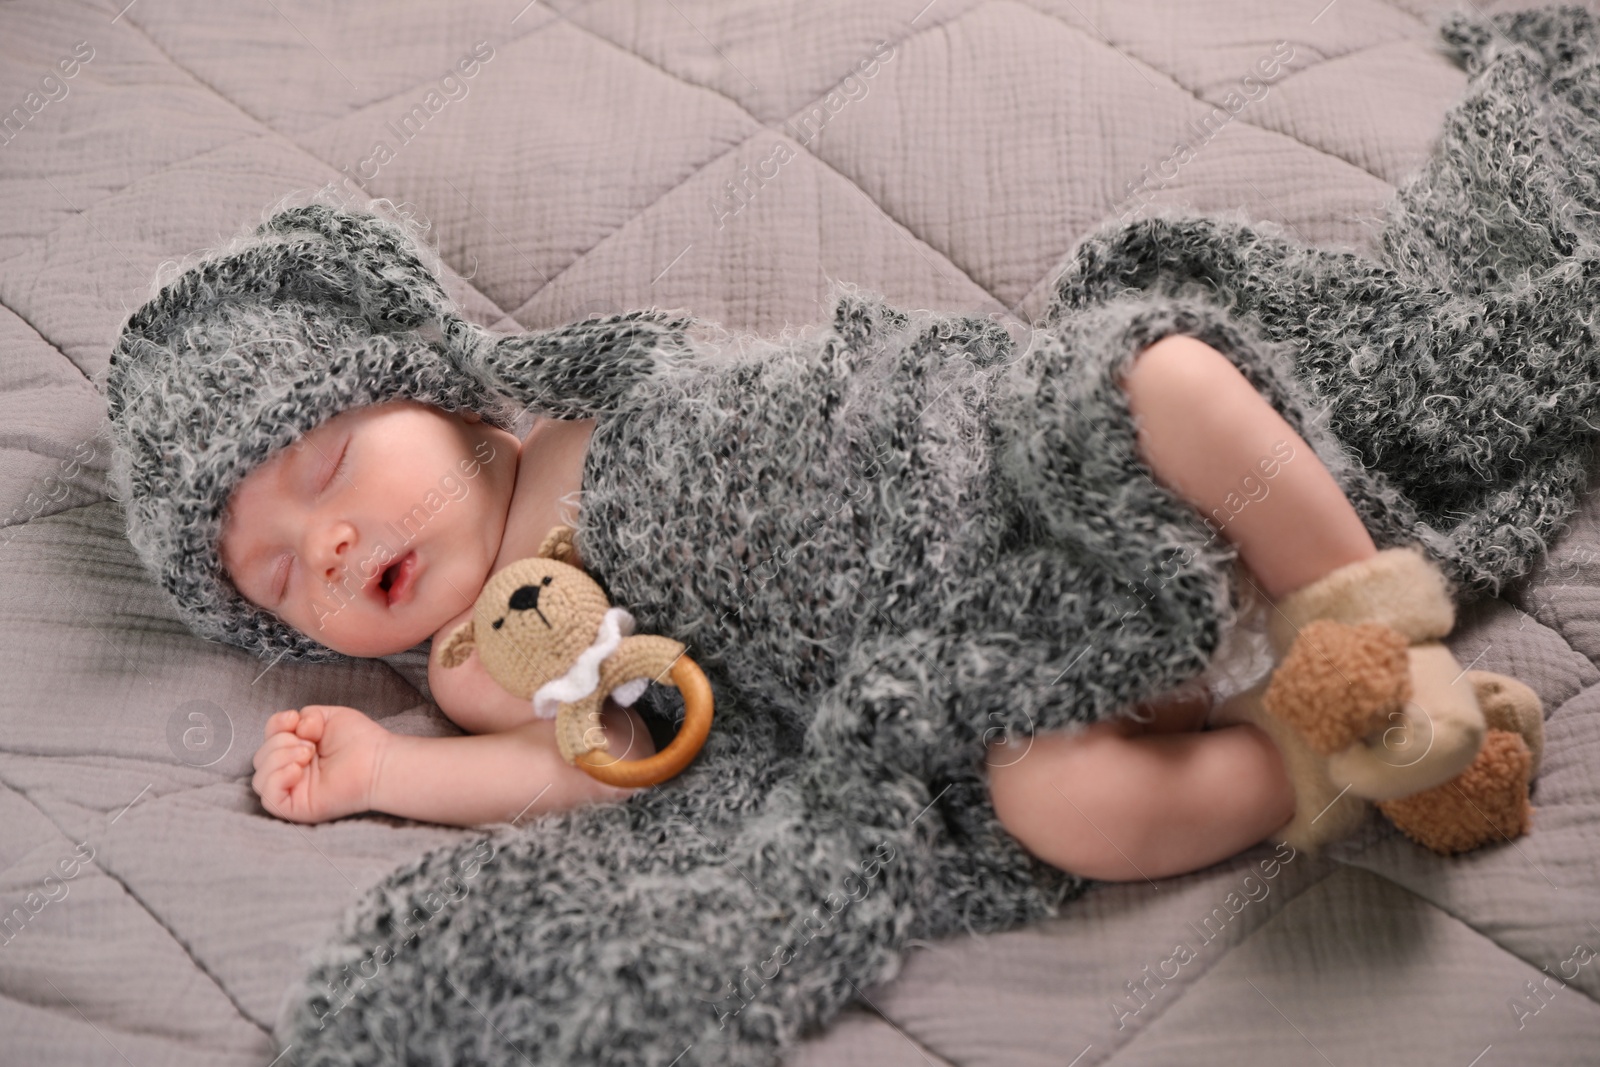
729, 159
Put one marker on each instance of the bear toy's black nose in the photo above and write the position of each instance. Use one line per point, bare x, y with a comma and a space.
526, 598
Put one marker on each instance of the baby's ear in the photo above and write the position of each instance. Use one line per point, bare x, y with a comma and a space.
458, 646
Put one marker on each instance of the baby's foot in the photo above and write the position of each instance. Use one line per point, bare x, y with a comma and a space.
318, 763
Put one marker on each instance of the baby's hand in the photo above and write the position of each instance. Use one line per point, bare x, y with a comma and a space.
318, 763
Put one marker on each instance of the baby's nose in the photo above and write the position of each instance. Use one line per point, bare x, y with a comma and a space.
337, 543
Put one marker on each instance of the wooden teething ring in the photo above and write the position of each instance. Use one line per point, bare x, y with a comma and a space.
689, 680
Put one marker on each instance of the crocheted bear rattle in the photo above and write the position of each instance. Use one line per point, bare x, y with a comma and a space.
545, 632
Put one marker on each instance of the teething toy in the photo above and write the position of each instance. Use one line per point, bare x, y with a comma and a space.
545, 632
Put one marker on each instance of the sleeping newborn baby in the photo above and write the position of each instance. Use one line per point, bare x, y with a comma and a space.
887, 516
374, 532
335, 536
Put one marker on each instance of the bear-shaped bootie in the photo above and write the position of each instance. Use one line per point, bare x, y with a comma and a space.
1367, 705
1489, 801
1383, 739
1486, 802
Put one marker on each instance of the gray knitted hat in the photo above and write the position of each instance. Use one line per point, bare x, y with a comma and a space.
317, 311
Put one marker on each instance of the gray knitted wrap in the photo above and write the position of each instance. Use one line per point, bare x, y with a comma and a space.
318, 311
895, 538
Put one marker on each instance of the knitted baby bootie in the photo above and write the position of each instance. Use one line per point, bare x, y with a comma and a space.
1487, 802
1348, 631
1512, 706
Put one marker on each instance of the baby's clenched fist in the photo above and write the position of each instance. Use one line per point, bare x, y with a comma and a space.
318, 763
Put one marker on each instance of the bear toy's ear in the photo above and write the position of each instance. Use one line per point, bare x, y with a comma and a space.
458, 646
557, 544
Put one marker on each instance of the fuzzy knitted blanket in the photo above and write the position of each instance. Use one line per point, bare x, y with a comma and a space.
893, 539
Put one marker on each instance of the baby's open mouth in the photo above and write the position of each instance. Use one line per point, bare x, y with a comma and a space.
399, 578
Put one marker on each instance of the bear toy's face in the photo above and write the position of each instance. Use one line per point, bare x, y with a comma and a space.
519, 589
532, 620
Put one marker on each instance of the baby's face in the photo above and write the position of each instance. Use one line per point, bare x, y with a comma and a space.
376, 528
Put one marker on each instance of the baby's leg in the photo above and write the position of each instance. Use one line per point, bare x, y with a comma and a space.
1116, 801
1211, 438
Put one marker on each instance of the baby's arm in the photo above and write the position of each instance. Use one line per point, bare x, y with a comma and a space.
499, 777
325, 762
